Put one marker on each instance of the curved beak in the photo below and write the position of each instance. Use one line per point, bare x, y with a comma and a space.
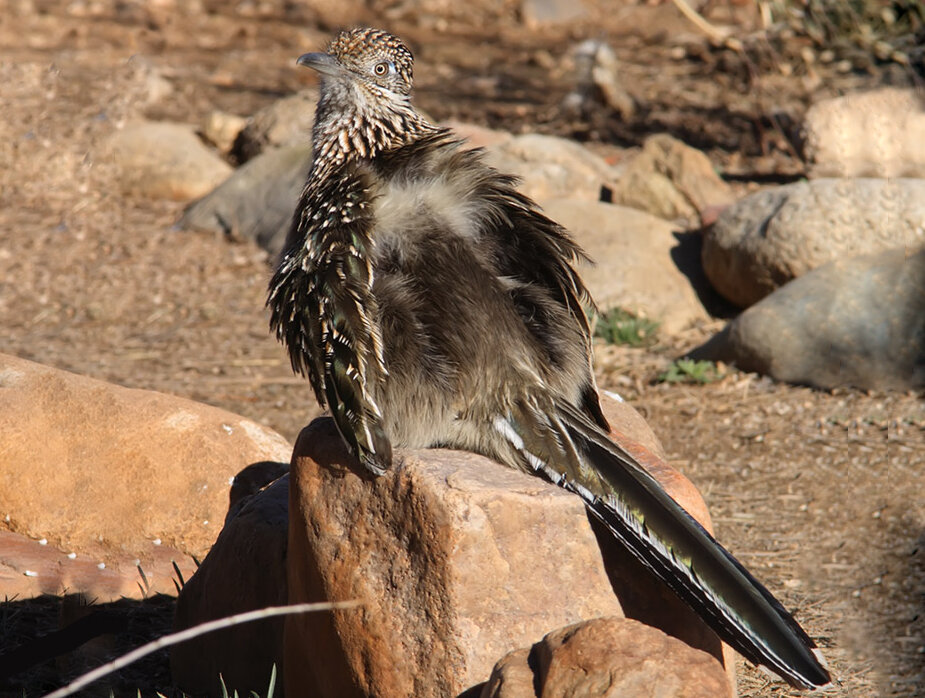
324, 63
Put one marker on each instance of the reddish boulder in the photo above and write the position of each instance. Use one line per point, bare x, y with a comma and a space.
108, 472
457, 560
608, 657
244, 571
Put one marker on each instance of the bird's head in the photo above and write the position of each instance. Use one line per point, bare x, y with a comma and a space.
367, 58
364, 106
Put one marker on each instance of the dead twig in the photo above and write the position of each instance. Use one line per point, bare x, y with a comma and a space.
716, 35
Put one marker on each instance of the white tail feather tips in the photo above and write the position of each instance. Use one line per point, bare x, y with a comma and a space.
503, 427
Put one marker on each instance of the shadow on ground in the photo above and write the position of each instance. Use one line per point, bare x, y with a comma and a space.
49, 641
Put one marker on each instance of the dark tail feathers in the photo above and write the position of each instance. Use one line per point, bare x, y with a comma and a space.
668, 541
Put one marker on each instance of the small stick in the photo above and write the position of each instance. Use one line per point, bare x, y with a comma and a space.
717, 35
190, 633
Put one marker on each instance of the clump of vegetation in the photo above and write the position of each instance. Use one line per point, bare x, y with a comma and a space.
690, 371
619, 326
858, 31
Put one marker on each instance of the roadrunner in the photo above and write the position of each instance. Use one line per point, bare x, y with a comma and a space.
432, 305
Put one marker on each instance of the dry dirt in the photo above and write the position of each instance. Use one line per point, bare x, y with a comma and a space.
819, 493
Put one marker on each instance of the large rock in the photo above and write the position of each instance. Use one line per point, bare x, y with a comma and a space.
286, 121
256, 530
857, 322
766, 239
669, 179
636, 261
456, 559
477, 136
245, 570
550, 167
511, 677
880, 133
162, 160
105, 471
608, 657
258, 200
36, 567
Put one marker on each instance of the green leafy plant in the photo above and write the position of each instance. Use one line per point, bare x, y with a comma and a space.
619, 326
690, 371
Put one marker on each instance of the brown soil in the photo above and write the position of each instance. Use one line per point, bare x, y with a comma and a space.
819, 493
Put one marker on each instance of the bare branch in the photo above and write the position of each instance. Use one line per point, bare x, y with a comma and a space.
190, 633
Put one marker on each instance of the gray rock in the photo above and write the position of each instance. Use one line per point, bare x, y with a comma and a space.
245, 570
258, 200
856, 322
880, 133
634, 261
162, 160
771, 237
284, 122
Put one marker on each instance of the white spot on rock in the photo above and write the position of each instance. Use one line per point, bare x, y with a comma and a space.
272, 445
30, 573
10, 377
182, 420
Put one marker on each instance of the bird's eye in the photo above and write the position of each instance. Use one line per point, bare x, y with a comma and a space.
382, 68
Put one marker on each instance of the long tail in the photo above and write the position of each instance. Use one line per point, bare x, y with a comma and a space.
560, 443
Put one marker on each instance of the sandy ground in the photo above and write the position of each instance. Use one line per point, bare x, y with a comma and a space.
819, 493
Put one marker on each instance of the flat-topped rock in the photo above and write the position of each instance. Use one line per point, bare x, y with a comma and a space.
95, 467
457, 560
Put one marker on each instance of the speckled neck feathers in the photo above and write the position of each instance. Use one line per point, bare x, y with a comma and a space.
365, 106
361, 130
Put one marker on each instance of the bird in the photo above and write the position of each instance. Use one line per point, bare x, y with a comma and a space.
431, 304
